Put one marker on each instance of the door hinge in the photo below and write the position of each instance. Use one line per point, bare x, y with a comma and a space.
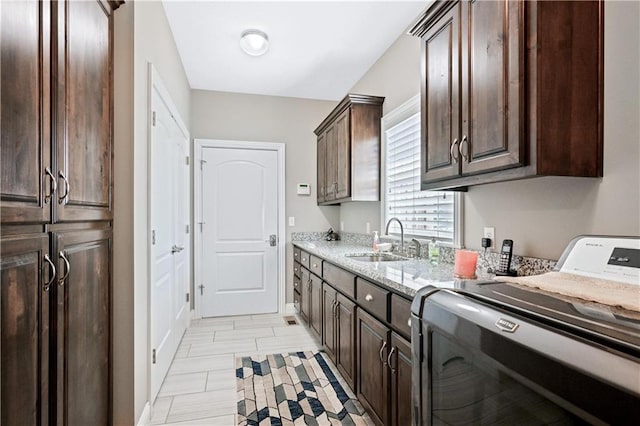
153, 118
186, 229
187, 297
187, 159
153, 236
153, 356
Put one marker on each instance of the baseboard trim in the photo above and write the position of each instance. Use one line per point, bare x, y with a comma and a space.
145, 417
289, 308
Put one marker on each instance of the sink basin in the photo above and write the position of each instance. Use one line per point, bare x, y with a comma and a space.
375, 257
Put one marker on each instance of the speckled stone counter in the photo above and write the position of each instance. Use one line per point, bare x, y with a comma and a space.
404, 276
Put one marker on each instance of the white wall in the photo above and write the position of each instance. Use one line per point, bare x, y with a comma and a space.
541, 215
146, 37
234, 116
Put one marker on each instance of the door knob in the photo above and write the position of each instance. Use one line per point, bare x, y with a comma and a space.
273, 240
176, 249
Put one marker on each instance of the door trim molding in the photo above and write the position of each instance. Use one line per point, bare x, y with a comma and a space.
279, 148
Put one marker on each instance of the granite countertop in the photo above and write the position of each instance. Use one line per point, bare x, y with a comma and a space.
404, 276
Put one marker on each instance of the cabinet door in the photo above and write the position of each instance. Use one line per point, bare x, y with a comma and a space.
373, 374
328, 321
492, 85
343, 155
83, 369
331, 165
25, 112
24, 327
345, 339
440, 98
400, 364
83, 110
304, 294
315, 306
321, 176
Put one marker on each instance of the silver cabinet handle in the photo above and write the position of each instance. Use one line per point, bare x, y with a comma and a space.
54, 185
176, 249
368, 298
464, 141
62, 198
304, 259
382, 360
453, 150
315, 265
295, 254
52, 268
409, 322
393, 371
67, 267
295, 284
335, 308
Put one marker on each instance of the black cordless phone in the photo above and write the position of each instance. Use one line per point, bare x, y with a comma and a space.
504, 263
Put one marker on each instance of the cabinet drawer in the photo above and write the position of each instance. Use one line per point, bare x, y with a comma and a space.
340, 279
297, 270
401, 315
373, 298
296, 254
296, 283
304, 259
315, 265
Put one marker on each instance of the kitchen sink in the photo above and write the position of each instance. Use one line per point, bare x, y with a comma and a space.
376, 257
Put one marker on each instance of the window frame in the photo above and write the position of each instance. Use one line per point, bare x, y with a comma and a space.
389, 120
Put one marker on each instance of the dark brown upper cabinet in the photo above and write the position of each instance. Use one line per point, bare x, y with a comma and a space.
83, 111
510, 89
27, 178
57, 159
349, 151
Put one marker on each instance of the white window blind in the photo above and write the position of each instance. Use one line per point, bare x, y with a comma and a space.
424, 214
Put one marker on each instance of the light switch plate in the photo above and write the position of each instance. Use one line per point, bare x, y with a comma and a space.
292, 221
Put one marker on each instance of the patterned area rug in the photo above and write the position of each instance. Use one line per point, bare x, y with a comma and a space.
299, 388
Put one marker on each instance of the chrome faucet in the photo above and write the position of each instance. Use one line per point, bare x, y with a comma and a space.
386, 231
418, 246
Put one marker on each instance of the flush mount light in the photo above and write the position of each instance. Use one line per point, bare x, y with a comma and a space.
254, 42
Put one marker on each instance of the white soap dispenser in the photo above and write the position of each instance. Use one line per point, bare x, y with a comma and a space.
434, 251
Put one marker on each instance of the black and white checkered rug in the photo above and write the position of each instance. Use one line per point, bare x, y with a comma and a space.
299, 388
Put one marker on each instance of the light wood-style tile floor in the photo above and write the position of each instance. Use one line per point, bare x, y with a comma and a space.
200, 388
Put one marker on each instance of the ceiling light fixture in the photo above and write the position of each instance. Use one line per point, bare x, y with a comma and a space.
254, 42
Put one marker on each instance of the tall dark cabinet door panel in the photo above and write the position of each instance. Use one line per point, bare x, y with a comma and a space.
345, 339
441, 99
492, 100
343, 155
84, 112
328, 321
25, 111
373, 374
24, 325
400, 362
321, 162
83, 340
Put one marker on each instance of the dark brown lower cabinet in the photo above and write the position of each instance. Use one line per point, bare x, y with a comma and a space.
315, 306
24, 324
83, 375
373, 374
305, 284
328, 324
338, 323
399, 362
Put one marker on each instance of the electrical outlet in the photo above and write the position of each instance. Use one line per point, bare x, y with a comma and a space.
292, 221
341, 226
490, 232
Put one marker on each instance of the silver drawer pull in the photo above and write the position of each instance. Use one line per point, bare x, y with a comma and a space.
304, 259
368, 298
295, 284
315, 265
409, 322
295, 254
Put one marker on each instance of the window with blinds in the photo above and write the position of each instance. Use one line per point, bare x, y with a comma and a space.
424, 214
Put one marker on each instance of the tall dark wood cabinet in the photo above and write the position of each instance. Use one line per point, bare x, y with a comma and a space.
56, 109
510, 89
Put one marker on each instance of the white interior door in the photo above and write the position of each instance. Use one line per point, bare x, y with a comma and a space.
239, 248
169, 249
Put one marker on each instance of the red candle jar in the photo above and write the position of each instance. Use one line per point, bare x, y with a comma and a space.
465, 264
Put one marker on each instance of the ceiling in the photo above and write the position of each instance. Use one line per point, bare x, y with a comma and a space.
317, 49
